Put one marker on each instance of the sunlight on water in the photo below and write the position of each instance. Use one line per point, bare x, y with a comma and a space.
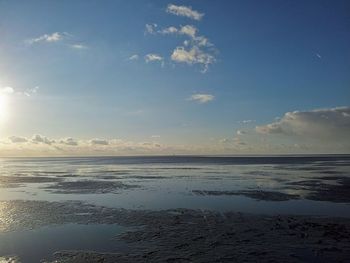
268, 185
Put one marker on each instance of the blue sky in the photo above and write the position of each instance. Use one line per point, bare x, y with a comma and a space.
115, 71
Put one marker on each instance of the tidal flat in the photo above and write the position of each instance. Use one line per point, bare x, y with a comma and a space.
169, 209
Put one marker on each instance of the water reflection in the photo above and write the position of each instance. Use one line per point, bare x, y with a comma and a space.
34, 245
191, 182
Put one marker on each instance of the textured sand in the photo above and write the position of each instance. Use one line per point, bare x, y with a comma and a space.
183, 235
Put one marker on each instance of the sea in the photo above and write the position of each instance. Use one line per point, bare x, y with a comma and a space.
303, 185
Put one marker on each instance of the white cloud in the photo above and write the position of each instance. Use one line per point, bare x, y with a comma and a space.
40, 145
169, 30
37, 138
188, 30
56, 37
331, 124
49, 38
195, 50
246, 121
7, 90
79, 46
193, 56
68, 141
202, 98
29, 92
151, 28
17, 139
99, 142
202, 41
134, 57
155, 136
26, 92
153, 57
186, 11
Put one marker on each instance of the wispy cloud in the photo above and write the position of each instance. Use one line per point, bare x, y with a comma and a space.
151, 28
187, 30
26, 92
133, 57
153, 57
186, 11
68, 39
246, 121
48, 38
168, 30
79, 46
202, 98
30, 92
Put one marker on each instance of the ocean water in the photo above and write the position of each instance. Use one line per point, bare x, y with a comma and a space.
307, 185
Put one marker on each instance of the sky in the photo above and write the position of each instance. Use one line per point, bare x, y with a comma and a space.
174, 77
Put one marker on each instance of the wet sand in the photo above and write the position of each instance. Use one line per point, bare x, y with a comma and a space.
163, 210
255, 194
88, 187
185, 235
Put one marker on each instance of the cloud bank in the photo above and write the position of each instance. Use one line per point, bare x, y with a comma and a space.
331, 124
37, 138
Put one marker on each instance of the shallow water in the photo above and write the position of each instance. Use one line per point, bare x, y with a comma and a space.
34, 245
315, 185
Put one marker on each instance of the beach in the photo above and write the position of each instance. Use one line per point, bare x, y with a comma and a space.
175, 209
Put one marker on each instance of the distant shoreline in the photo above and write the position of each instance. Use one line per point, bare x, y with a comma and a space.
188, 155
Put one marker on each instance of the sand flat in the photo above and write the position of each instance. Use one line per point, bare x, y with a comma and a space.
185, 235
